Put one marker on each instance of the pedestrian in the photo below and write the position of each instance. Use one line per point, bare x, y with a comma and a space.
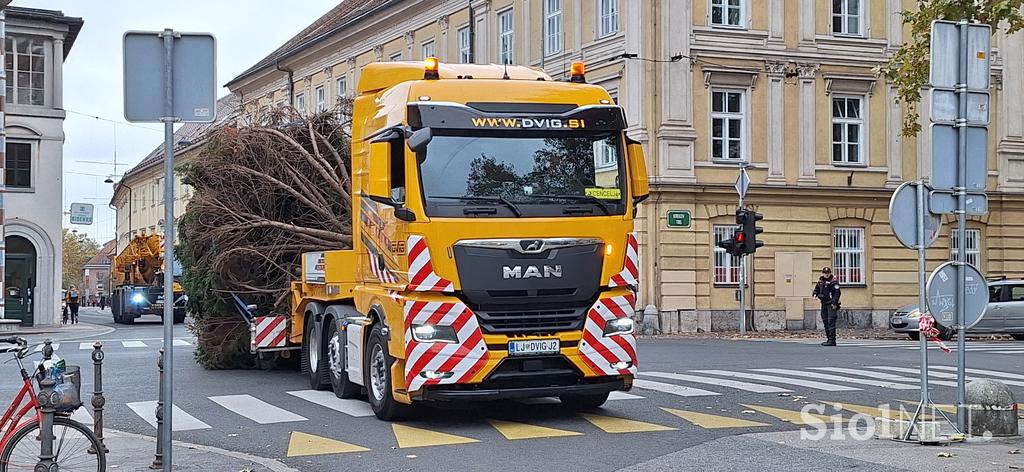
827, 291
72, 298
103, 302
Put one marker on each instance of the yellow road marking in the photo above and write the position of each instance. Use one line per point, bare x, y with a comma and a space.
302, 444
946, 408
892, 412
611, 424
705, 420
408, 436
794, 417
512, 430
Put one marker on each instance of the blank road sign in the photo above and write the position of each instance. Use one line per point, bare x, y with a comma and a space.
194, 77
946, 107
945, 140
903, 217
945, 55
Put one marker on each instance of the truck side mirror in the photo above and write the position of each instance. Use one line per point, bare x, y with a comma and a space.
637, 171
419, 139
379, 187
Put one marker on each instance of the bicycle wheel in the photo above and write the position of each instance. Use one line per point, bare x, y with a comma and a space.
72, 442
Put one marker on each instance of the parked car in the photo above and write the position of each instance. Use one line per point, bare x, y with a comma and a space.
1005, 313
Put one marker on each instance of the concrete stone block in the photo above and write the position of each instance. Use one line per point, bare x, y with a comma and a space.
688, 322
880, 319
669, 321
854, 319
650, 325
769, 320
722, 320
795, 325
704, 321
992, 409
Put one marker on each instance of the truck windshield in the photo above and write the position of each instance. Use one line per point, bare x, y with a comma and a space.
500, 176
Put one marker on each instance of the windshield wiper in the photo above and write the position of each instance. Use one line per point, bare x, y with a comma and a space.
589, 198
500, 199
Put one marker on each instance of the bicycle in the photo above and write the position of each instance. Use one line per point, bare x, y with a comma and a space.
75, 446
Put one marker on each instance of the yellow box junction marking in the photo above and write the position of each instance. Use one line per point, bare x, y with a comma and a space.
302, 444
611, 424
892, 412
408, 436
794, 417
707, 421
513, 431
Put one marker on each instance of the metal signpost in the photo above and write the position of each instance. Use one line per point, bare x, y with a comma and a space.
169, 77
742, 184
81, 213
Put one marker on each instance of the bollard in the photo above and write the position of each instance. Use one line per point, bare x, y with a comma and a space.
158, 461
992, 409
46, 399
98, 400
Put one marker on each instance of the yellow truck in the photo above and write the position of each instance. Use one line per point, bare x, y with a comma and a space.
137, 281
493, 250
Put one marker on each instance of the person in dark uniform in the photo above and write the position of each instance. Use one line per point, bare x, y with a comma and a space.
103, 302
827, 291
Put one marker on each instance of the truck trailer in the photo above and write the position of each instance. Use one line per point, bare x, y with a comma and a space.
493, 252
137, 282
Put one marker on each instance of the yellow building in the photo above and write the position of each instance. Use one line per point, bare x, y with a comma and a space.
783, 86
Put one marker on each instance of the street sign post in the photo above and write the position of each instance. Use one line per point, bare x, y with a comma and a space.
679, 218
169, 77
944, 296
81, 213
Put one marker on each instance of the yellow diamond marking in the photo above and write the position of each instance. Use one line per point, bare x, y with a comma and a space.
611, 424
705, 420
302, 444
408, 436
512, 430
790, 416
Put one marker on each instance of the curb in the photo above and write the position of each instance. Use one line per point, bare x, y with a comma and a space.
273, 464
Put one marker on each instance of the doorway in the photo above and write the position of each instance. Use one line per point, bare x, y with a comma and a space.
20, 280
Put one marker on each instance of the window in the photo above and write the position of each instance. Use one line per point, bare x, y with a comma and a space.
847, 17
300, 103
428, 49
727, 267
506, 37
341, 87
24, 64
396, 57
552, 26
321, 99
973, 246
609, 20
1017, 293
727, 116
848, 255
465, 52
18, 168
605, 155
727, 13
847, 130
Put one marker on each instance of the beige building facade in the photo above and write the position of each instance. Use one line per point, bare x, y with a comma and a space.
785, 87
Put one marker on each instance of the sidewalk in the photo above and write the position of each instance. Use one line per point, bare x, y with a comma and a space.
134, 453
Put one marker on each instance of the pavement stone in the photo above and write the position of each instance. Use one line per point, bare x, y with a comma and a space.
135, 452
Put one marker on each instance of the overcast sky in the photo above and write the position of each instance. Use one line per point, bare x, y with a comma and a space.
246, 31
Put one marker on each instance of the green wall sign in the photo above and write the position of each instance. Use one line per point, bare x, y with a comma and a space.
679, 219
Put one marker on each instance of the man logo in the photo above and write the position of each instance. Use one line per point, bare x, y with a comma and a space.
532, 272
532, 245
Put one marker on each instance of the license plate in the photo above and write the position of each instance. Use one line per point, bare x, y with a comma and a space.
533, 347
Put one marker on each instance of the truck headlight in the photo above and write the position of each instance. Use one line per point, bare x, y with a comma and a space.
618, 326
428, 333
138, 298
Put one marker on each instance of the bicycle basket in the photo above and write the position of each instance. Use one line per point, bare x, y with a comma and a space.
67, 394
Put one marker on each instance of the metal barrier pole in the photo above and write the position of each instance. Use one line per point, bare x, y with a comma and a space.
46, 398
158, 461
98, 400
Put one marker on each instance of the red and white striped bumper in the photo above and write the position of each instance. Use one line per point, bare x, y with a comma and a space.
461, 359
269, 332
602, 353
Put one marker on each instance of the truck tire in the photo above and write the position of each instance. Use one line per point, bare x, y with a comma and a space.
377, 377
336, 360
584, 402
313, 363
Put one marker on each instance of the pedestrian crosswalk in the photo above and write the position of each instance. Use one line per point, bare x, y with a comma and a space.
979, 346
154, 343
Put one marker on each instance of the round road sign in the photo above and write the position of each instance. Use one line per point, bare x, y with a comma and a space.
942, 295
903, 216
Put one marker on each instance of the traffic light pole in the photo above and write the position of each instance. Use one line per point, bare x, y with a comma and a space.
743, 283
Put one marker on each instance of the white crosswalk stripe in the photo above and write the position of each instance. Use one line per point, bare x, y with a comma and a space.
181, 342
881, 375
180, 420
84, 346
82, 415
783, 380
672, 389
256, 409
988, 373
349, 407
133, 344
839, 378
943, 375
623, 396
750, 387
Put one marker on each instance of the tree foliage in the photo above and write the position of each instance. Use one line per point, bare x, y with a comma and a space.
908, 70
265, 192
78, 249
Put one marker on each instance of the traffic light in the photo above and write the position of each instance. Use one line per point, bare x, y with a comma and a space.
734, 245
748, 231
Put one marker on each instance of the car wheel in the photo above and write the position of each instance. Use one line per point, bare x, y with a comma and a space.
377, 375
340, 384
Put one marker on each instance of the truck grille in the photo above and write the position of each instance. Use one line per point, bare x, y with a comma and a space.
531, 321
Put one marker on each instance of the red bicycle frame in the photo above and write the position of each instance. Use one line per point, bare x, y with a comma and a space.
11, 420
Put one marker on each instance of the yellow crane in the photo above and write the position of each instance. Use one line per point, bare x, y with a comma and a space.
137, 278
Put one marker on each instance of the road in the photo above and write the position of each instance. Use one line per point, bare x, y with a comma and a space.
692, 393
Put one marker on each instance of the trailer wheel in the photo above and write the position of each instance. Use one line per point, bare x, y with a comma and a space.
377, 378
313, 357
584, 402
336, 359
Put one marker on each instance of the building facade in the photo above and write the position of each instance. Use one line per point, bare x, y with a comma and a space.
37, 43
784, 87
96, 273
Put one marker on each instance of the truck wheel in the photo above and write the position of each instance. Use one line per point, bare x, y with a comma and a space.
584, 402
313, 357
342, 386
377, 374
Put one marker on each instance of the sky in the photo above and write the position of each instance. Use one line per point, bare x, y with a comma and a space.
246, 31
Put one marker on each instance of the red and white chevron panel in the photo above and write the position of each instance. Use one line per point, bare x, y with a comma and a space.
463, 358
600, 351
630, 266
380, 271
422, 277
270, 331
